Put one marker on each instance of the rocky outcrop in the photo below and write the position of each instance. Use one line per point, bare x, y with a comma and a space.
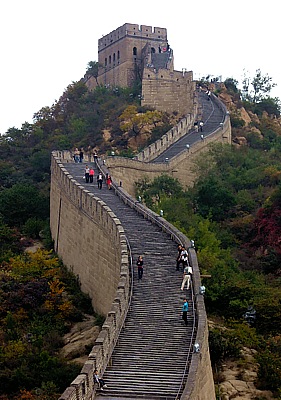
239, 379
80, 340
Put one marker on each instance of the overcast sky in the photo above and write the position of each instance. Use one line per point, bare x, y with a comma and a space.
46, 45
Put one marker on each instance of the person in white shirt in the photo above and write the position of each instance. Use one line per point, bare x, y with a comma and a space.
187, 272
87, 174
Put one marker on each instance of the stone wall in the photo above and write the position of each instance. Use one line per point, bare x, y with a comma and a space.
92, 250
168, 91
73, 207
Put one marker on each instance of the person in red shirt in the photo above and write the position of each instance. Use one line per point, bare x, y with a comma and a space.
91, 174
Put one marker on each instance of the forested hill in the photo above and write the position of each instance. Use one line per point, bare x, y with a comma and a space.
232, 212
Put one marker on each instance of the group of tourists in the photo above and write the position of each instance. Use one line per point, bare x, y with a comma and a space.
182, 258
89, 177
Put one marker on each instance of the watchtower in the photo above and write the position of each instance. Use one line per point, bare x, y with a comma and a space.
132, 54
122, 53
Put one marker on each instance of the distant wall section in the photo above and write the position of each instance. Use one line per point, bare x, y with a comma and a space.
128, 171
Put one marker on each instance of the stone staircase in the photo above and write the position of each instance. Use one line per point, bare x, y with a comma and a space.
151, 358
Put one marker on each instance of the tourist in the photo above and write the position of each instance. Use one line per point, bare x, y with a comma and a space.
99, 180
184, 311
179, 260
108, 182
99, 380
87, 174
91, 175
76, 155
187, 272
184, 257
81, 155
140, 267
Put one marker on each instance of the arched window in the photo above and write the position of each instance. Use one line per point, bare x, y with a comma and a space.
105, 62
109, 59
152, 50
118, 55
134, 51
113, 57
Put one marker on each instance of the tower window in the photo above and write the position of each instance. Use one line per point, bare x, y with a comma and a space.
105, 61
109, 59
134, 51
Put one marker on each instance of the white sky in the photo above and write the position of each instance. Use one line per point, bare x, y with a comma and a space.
46, 45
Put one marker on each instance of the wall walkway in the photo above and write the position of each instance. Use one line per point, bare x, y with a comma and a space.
161, 286
99, 239
175, 153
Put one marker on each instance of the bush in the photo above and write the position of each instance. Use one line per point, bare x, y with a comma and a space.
223, 344
269, 373
33, 227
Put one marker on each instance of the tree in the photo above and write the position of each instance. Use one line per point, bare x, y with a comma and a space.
261, 87
270, 105
231, 85
93, 70
134, 121
21, 202
214, 198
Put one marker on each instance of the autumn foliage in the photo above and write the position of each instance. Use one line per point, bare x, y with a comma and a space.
36, 309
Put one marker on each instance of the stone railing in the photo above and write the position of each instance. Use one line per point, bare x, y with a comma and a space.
182, 128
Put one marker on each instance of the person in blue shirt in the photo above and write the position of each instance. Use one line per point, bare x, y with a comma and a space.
184, 311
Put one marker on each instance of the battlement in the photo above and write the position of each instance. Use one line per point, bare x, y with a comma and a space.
132, 30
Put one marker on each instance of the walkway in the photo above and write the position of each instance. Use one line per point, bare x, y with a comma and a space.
152, 353
151, 358
212, 115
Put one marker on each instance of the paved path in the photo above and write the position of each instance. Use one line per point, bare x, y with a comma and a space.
151, 356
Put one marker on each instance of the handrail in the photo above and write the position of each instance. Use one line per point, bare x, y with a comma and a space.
132, 281
190, 346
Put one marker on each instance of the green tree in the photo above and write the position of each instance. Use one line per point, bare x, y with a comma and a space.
21, 202
231, 85
214, 198
93, 70
257, 88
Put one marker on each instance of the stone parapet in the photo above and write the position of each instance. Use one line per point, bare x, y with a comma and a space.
173, 135
82, 224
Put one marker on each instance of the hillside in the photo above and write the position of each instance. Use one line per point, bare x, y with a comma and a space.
232, 212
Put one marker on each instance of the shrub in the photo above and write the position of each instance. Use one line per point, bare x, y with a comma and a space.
33, 227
